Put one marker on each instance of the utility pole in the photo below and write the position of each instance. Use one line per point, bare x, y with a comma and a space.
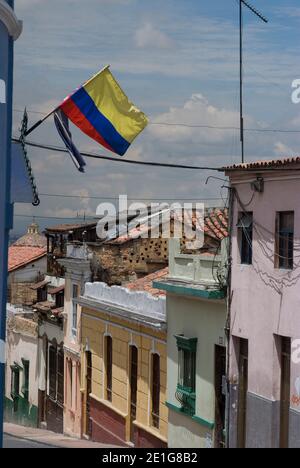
260, 16
10, 30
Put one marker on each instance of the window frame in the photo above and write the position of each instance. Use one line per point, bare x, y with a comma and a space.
155, 390
186, 385
245, 236
108, 367
284, 235
52, 373
25, 386
15, 381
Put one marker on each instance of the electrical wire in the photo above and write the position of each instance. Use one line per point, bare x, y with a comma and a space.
124, 161
82, 218
155, 164
87, 197
204, 126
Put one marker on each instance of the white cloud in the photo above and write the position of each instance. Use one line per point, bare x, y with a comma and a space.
150, 37
196, 111
282, 150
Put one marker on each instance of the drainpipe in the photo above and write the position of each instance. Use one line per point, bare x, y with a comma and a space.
10, 30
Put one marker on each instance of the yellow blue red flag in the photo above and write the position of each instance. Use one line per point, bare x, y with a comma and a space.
101, 109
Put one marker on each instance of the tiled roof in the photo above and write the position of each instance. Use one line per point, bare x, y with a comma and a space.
271, 163
19, 257
215, 226
145, 284
70, 227
216, 223
31, 240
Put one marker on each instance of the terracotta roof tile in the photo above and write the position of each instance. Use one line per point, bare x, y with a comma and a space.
19, 256
145, 284
32, 240
216, 223
60, 228
269, 163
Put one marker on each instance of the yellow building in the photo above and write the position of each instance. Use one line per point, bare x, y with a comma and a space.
123, 363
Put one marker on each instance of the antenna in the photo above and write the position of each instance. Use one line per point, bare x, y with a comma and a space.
262, 18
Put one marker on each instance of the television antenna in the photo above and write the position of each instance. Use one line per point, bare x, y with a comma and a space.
264, 19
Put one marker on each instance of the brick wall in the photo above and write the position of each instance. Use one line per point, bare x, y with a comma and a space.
21, 294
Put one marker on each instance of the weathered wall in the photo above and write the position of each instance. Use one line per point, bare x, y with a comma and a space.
22, 294
30, 273
140, 256
22, 343
265, 303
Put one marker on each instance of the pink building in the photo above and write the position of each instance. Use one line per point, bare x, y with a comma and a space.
264, 407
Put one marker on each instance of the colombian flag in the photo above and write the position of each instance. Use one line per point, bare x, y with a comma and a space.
102, 110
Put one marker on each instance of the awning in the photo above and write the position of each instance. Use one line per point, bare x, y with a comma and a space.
40, 285
57, 290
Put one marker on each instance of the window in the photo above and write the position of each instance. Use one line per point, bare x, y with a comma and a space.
133, 353
89, 371
52, 372
69, 387
60, 299
42, 294
220, 396
245, 237
25, 388
56, 374
133, 379
243, 392
15, 381
186, 386
285, 390
108, 367
75, 294
15, 386
284, 240
155, 393
60, 376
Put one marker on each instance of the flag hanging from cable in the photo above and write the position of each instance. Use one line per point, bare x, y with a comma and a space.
62, 125
101, 110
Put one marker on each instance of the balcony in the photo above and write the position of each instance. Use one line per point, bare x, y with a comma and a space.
78, 251
200, 268
202, 275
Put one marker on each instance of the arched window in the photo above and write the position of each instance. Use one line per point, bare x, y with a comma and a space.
155, 390
108, 368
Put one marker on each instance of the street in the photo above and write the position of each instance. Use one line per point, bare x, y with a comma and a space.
16, 442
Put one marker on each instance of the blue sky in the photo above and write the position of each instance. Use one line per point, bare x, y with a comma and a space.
178, 61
